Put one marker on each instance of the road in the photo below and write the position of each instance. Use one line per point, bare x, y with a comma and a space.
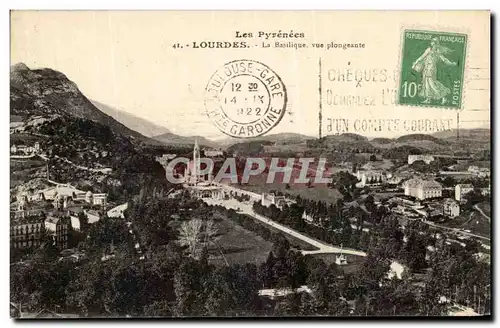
482, 213
465, 233
105, 170
246, 208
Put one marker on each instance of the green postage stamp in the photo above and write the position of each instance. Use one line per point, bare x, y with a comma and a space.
432, 69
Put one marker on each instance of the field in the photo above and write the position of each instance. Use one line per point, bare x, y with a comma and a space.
378, 196
294, 242
473, 221
478, 224
317, 192
486, 208
235, 244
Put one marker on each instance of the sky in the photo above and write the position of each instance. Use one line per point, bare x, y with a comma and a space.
126, 60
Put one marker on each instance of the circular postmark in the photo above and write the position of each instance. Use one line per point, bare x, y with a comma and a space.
245, 99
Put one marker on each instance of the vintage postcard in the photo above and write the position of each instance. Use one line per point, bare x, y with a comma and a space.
172, 164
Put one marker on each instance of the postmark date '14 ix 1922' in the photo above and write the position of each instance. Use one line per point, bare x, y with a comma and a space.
245, 99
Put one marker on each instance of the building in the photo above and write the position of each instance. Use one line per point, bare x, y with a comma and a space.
75, 223
272, 199
213, 152
60, 191
370, 177
91, 198
165, 158
486, 191
423, 189
461, 190
27, 233
425, 158
93, 216
207, 191
100, 199
118, 211
393, 179
481, 172
192, 175
24, 149
451, 208
197, 184
307, 217
340, 259
57, 231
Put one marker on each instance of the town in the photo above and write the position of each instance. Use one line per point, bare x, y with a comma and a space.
108, 222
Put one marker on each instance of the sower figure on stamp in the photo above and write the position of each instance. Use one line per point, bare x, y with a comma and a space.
431, 88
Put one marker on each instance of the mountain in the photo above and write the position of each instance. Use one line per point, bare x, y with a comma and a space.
284, 138
174, 139
420, 138
482, 133
48, 93
80, 144
131, 121
346, 141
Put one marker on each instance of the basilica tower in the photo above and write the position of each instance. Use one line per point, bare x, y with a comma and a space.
196, 162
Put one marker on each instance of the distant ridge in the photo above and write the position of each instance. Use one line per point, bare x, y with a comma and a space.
174, 139
465, 133
143, 126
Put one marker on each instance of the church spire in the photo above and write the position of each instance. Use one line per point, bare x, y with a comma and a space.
196, 162
196, 144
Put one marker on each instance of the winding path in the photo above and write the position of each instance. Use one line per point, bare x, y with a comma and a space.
247, 209
482, 213
455, 230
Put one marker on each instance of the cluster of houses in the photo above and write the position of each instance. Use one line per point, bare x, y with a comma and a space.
213, 152
165, 158
371, 177
25, 149
425, 158
268, 199
425, 195
480, 172
33, 231
30, 227
62, 196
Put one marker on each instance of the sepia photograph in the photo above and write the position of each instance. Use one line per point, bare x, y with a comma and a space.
250, 164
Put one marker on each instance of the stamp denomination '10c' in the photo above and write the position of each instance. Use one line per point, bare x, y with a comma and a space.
432, 69
245, 99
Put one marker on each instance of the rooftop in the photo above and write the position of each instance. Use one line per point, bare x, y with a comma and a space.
416, 182
93, 212
52, 219
26, 220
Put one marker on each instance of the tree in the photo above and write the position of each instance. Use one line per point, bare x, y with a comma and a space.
196, 235
370, 203
449, 182
219, 299
288, 306
474, 197
415, 250
190, 235
188, 289
157, 309
326, 290
345, 183
374, 269
373, 158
